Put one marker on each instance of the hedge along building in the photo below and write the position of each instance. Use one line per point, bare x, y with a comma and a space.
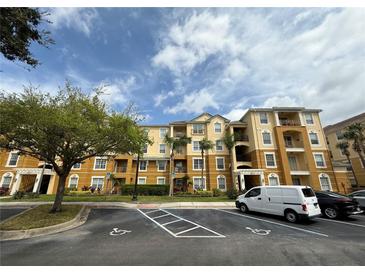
272, 146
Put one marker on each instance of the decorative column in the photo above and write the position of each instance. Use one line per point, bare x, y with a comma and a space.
262, 179
242, 177
16, 184
277, 118
37, 183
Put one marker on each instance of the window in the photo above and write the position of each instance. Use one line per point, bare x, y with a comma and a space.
219, 163
144, 149
163, 148
296, 181
308, 192
263, 118
163, 132
142, 180
273, 180
143, 165
266, 138
76, 166
198, 164
161, 165
221, 182
314, 138
253, 193
319, 159
198, 128
198, 184
97, 182
6, 180
217, 127
339, 135
270, 160
160, 180
219, 145
308, 118
74, 179
325, 182
13, 158
196, 146
100, 163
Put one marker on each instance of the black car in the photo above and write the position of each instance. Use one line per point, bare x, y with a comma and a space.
334, 205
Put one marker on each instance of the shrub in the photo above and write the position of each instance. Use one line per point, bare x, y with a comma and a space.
232, 193
85, 188
203, 193
92, 189
217, 192
4, 191
18, 195
158, 190
31, 195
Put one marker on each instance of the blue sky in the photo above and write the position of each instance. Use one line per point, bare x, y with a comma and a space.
176, 63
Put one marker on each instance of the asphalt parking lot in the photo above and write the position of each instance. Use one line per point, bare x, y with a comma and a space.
193, 237
6, 213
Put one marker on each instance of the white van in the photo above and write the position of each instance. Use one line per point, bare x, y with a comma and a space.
292, 202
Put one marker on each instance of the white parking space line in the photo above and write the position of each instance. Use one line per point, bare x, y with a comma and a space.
178, 235
340, 222
160, 216
147, 212
271, 222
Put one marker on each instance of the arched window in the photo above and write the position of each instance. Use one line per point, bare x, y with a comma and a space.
73, 181
266, 137
6, 180
325, 182
273, 179
221, 183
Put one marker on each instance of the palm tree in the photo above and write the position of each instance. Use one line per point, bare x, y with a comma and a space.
344, 146
355, 133
204, 144
175, 143
229, 141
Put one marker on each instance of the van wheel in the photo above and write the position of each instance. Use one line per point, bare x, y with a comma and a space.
291, 216
330, 213
243, 208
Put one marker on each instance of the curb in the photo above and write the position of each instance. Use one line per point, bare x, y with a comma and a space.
80, 218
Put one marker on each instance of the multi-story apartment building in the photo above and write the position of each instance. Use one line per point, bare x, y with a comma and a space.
334, 135
272, 146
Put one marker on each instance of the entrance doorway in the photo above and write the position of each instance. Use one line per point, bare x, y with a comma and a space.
44, 184
251, 181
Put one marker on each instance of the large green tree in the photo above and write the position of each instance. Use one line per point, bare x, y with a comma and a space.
205, 145
19, 27
66, 129
356, 134
229, 141
175, 143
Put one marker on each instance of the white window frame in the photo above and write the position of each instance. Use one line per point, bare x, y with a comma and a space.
74, 176
270, 153
193, 147
163, 128
217, 146
216, 163
7, 174
204, 179
310, 140
139, 166
198, 158
161, 170
267, 118
225, 182
262, 136
311, 116
197, 132
145, 180
164, 180
101, 158
97, 177
220, 127
321, 175
9, 157
164, 149
337, 135
273, 175
324, 160
78, 168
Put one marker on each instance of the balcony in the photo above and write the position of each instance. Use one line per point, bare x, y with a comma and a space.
120, 166
241, 138
120, 169
286, 122
243, 158
180, 169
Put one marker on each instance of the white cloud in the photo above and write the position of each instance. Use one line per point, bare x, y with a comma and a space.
284, 101
235, 114
117, 91
80, 19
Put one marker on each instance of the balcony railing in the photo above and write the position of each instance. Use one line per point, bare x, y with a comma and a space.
241, 137
180, 169
243, 158
289, 122
179, 134
121, 169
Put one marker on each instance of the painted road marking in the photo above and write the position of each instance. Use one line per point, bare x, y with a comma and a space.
172, 222
160, 216
147, 212
340, 222
178, 235
118, 232
261, 232
271, 222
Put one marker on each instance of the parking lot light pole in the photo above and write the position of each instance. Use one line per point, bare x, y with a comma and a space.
134, 198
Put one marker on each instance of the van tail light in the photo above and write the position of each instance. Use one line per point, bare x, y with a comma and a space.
304, 207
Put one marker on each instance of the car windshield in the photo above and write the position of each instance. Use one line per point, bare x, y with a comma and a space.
308, 192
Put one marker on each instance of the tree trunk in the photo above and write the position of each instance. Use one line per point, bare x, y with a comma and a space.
171, 192
352, 170
59, 195
203, 166
361, 158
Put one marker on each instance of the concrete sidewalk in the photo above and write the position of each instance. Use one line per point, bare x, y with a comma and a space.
128, 205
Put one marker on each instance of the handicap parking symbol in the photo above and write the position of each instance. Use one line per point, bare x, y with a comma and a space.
118, 232
261, 232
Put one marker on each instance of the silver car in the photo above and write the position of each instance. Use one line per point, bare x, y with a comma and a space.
359, 196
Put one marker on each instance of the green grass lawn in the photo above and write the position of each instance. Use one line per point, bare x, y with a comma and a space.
40, 217
120, 198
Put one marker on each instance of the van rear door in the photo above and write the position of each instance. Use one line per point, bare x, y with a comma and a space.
310, 200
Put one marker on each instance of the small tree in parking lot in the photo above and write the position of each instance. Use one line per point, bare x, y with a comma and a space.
66, 129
